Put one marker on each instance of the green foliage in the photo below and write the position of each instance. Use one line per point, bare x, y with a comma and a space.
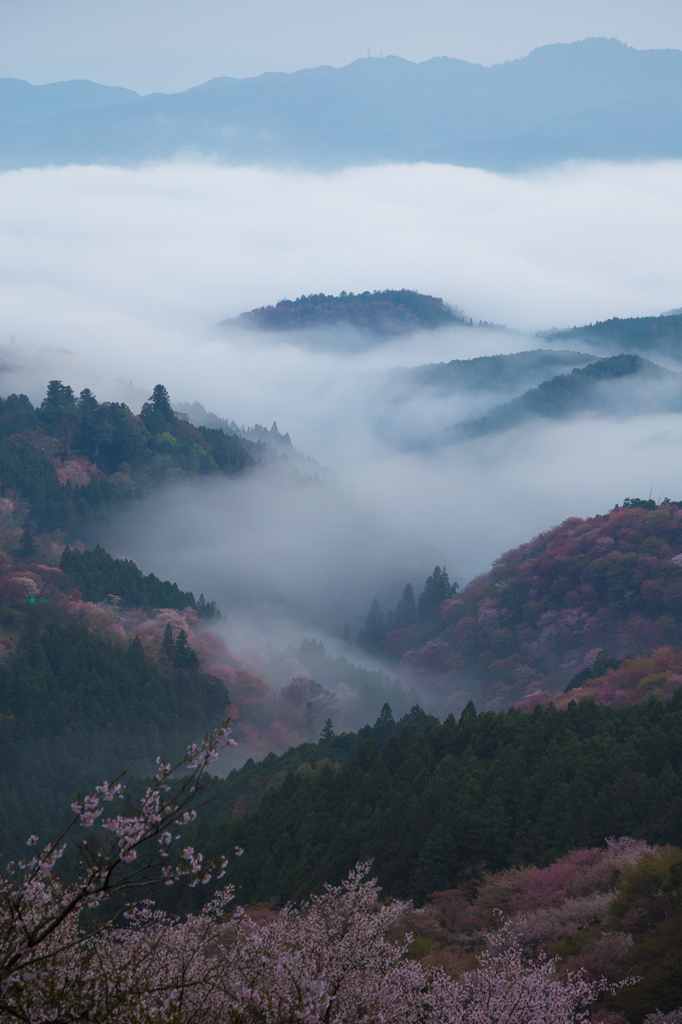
27, 471
75, 708
371, 636
602, 664
429, 801
406, 610
648, 905
27, 544
120, 454
417, 617
384, 313
436, 590
98, 575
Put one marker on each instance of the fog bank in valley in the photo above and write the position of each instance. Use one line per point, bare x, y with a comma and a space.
115, 279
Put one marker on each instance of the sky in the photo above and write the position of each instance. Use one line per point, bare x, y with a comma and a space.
169, 45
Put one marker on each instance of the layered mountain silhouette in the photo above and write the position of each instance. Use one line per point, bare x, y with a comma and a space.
501, 373
595, 98
619, 385
662, 334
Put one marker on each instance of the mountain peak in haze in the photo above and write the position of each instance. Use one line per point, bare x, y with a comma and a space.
593, 99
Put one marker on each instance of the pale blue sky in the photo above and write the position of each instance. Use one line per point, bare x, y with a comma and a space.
167, 45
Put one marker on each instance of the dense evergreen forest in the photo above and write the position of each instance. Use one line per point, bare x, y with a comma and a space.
435, 803
383, 313
76, 707
98, 576
642, 333
73, 459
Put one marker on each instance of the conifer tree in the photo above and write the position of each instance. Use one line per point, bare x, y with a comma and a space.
328, 730
157, 413
375, 629
406, 609
168, 644
27, 544
184, 656
436, 590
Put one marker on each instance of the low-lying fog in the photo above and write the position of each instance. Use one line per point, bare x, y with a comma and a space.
114, 279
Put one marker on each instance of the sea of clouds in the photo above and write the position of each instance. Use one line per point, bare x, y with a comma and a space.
115, 279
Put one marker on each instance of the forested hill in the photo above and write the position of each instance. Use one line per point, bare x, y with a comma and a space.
72, 459
648, 334
384, 313
601, 386
435, 803
521, 632
77, 705
100, 577
510, 373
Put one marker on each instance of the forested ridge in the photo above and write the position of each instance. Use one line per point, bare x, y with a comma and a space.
519, 633
98, 576
76, 707
386, 312
72, 459
643, 333
432, 802
581, 391
103, 668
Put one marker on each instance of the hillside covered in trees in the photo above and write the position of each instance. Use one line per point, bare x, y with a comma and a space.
72, 459
384, 313
435, 804
649, 334
513, 372
77, 705
521, 632
600, 387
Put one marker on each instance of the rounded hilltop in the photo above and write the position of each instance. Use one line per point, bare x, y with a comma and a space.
384, 313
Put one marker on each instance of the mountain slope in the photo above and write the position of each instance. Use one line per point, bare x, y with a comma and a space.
649, 334
577, 99
21, 102
623, 384
507, 373
522, 631
435, 803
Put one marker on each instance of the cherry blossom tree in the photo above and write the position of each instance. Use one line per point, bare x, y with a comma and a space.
42, 942
311, 697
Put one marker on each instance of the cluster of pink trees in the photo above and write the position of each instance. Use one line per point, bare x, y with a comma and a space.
330, 960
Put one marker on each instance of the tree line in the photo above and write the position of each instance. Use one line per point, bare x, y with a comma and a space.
125, 453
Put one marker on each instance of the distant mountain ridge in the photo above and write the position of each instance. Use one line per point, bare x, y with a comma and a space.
644, 333
597, 98
22, 103
583, 390
508, 372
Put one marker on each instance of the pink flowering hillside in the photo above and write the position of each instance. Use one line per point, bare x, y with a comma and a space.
521, 632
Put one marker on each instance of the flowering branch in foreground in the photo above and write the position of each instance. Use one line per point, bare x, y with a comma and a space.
39, 911
328, 961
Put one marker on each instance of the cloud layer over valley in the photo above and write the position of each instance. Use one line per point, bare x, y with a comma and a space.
114, 279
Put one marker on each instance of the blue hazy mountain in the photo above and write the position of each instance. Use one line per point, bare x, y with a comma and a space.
622, 385
650, 334
595, 98
21, 102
